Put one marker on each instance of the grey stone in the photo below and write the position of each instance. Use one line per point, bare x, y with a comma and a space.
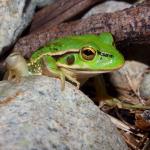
36, 114
106, 7
132, 70
145, 87
15, 15
41, 3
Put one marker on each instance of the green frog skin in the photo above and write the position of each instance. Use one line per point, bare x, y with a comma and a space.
73, 58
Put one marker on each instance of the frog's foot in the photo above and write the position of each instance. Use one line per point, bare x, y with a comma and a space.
51, 69
74, 80
16, 67
62, 78
105, 100
71, 77
12, 76
62, 75
54, 72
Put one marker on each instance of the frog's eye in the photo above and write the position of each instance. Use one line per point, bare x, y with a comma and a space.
88, 53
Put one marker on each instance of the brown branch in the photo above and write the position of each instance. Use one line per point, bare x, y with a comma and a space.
60, 11
131, 25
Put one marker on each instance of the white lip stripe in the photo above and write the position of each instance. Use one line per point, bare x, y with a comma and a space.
55, 53
75, 70
78, 71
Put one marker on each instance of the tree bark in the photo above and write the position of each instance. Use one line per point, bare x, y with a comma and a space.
128, 26
59, 12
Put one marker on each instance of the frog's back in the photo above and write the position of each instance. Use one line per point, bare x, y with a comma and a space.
72, 42
65, 44
77, 41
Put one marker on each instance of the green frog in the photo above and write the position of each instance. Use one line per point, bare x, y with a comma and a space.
75, 58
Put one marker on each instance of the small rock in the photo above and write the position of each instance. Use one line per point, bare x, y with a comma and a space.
127, 80
106, 7
15, 15
42, 3
145, 87
36, 114
131, 71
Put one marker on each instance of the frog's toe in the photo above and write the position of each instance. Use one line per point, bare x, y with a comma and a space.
12, 76
16, 67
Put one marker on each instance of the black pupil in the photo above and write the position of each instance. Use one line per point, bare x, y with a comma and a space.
88, 52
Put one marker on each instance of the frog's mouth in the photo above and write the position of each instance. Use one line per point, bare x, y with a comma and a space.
81, 74
87, 74
87, 71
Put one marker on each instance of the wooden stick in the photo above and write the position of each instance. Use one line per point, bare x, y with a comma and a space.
59, 12
131, 25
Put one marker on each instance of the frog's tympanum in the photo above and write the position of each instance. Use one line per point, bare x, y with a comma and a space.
74, 58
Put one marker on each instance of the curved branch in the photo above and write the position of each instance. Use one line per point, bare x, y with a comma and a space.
59, 12
131, 25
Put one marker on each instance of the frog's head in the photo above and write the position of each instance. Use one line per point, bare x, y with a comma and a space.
96, 54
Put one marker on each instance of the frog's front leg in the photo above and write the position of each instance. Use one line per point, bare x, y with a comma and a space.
50, 69
71, 77
16, 67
